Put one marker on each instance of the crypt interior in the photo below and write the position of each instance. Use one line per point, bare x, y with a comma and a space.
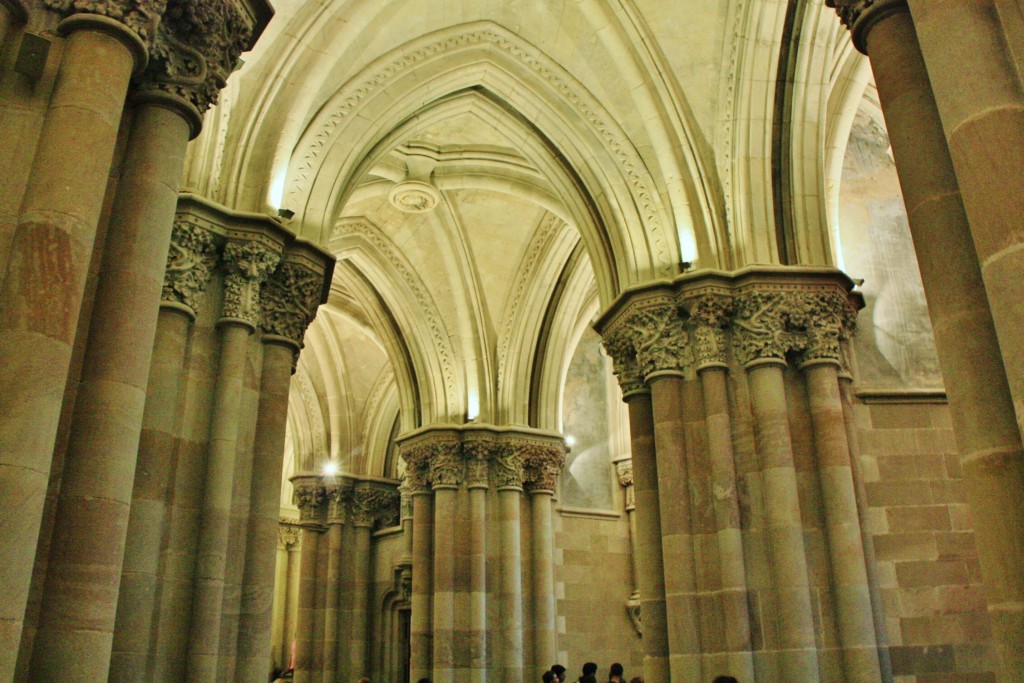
457, 338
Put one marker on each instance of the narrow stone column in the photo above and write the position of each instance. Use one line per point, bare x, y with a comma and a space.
288, 539
477, 454
624, 475
41, 291
980, 399
508, 638
662, 356
99, 469
711, 314
336, 518
189, 263
291, 608
420, 635
316, 674
367, 502
821, 365
248, 263
542, 465
650, 568
309, 497
446, 474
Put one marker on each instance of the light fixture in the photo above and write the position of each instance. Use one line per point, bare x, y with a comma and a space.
570, 441
285, 213
330, 469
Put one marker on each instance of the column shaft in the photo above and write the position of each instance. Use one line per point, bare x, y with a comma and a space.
793, 642
842, 524
682, 613
443, 612
332, 590
360, 659
545, 643
302, 654
291, 607
508, 659
478, 584
278, 638
651, 575
215, 527
147, 521
422, 579
41, 292
980, 400
319, 613
727, 512
255, 620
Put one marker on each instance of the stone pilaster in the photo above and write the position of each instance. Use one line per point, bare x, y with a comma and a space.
309, 497
542, 463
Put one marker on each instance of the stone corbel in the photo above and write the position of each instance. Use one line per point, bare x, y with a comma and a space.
624, 473
288, 535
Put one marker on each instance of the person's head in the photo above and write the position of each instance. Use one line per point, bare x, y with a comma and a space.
549, 677
725, 679
589, 669
559, 671
636, 679
616, 670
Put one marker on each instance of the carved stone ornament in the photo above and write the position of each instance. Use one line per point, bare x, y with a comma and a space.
290, 298
141, 16
190, 261
662, 340
309, 499
860, 15
446, 467
248, 265
508, 465
633, 611
338, 502
711, 315
371, 504
771, 324
542, 463
195, 49
477, 453
417, 466
288, 536
624, 472
619, 345
832, 319
405, 501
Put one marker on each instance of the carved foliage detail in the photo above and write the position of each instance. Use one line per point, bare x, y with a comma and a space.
446, 467
477, 453
288, 536
191, 259
542, 463
624, 472
849, 11
771, 324
371, 504
619, 345
290, 299
662, 340
508, 465
248, 265
141, 16
417, 466
711, 315
309, 499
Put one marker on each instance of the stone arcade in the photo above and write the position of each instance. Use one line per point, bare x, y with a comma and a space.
456, 338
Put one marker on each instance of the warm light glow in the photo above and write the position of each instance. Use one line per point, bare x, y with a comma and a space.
570, 441
330, 469
276, 196
472, 407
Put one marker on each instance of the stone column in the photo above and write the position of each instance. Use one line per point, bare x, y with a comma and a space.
42, 288
711, 314
316, 674
190, 262
420, 636
663, 355
291, 608
248, 264
541, 466
647, 542
309, 497
477, 454
980, 398
624, 475
446, 475
289, 301
99, 469
368, 503
288, 540
508, 636
761, 346
833, 319
336, 517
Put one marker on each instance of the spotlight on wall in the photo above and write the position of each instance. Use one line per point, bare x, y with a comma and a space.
570, 441
330, 469
286, 214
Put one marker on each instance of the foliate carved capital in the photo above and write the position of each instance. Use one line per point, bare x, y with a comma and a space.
619, 345
289, 299
190, 261
371, 504
711, 315
195, 49
508, 465
832, 318
446, 467
477, 453
770, 324
624, 473
309, 498
141, 16
288, 536
860, 15
542, 463
405, 501
338, 498
417, 467
662, 342
248, 265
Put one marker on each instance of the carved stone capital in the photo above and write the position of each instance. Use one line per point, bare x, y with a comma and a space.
710, 315
542, 463
832, 318
372, 504
338, 502
195, 48
662, 342
141, 16
405, 495
477, 453
309, 497
248, 266
624, 473
507, 468
446, 466
417, 466
190, 262
619, 345
861, 15
289, 299
288, 536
